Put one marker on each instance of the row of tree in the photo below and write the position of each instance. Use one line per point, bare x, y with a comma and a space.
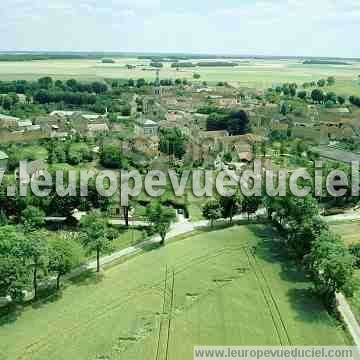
355, 100
28, 253
307, 237
225, 207
47, 83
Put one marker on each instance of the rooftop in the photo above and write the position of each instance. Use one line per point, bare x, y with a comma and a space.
98, 127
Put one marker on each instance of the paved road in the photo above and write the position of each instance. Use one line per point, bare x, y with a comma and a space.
351, 215
349, 318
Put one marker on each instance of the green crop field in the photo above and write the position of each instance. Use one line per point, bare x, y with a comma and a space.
249, 73
230, 287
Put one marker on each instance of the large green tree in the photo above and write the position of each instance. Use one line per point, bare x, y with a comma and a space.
14, 276
65, 254
36, 251
212, 211
161, 218
332, 265
94, 230
229, 206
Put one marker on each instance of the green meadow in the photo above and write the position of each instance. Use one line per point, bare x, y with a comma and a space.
229, 287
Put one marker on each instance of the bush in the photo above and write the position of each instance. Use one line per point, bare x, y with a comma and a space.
355, 251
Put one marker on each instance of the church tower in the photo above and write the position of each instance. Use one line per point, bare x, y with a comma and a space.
157, 88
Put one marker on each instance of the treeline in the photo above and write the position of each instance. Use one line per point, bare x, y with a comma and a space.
69, 98
108, 61
324, 62
157, 64
216, 63
309, 240
183, 65
31, 57
355, 100
203, 64
123, 83
47, 83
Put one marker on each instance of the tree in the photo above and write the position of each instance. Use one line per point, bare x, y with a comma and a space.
111, 157
227, 157
355, 100
172, 142
36, 251
285, 108
302, 95
161, 218
238, 123
13, 271
330, 80
321, 83
45, 82
212, 211
65, 254
13, 277
332, 265
32, 218
229, 206
196, 76
317, 95
341, 100
250, 205
140, 83
355, 251
331, 96
94, 230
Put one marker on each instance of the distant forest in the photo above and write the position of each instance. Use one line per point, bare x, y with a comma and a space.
157, 57
325, 62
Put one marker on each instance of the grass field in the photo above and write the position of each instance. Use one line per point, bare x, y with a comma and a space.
349, 231
207, 289
251, 73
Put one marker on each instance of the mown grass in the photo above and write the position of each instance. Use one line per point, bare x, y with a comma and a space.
231, 286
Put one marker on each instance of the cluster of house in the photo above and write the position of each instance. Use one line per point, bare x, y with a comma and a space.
321, 132
207, 142
58, 124
62, 124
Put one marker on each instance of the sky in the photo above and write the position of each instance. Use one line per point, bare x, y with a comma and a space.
241, 27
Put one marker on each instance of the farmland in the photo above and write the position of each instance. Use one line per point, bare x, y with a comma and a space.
249, 73
230, 286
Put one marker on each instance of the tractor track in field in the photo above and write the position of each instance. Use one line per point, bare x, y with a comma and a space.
140, 291
157, 285
275, 315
